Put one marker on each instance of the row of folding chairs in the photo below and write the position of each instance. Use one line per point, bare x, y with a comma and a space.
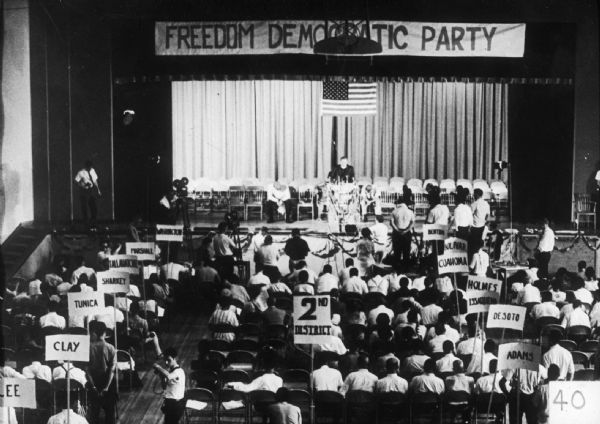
203, 405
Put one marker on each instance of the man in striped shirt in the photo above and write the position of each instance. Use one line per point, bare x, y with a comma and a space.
223, 315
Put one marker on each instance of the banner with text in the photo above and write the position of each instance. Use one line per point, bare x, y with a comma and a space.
68, 347
124, 263
452, 262
455, 244
518, 355
481, 293
85, 303
506, 316
312, 319
142, 251
397, 38
573, 400
113, 281
434, 232
18, 393
169, 233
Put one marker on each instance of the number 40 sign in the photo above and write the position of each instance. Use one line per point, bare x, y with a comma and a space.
312, 319
574, 400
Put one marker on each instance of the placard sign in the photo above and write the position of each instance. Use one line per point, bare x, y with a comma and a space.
519, 355
434, 232
68, 347
124, 263
574, 401
169, 233
452, 262
85, 303
455, 244
149, 270
18, 393
312, 319
506, 316
143, 251
113, 281
481, 293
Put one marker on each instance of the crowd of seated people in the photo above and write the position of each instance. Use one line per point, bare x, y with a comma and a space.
397, 331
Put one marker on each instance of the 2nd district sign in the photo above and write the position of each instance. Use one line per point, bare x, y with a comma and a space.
312, 319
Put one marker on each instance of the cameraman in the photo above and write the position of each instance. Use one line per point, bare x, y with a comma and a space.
173, 382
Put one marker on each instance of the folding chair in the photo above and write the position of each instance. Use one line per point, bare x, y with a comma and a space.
455, 403
425, 404
231, 376
586, 374
258, 403
237, 199
580, 360
200, 403
578, 333
360, 406
301, 399
392, 407
205, 379
297, 379
306, 196
329, 404
498, 405
232, 406
126, 367
255, 198
584, 208
590, 346
241, 360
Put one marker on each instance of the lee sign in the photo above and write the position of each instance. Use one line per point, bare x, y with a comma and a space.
85, 303
143, 251
434, 232
124, 263
169, 233
312, 319
574, 400
481, 293
68, 347
18, 393
113, 281
506, 316
452, 262
519, 355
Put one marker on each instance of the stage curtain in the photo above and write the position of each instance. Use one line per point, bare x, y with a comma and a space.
240, 129
272, 129
429, 130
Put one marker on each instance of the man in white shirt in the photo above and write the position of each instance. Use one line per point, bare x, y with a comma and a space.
380, 309
545, 248
402, 222
392, 382
427, 382
81, 269
436, 344
355, 284
268, 381
345, 272
327, 281
75, 373
224, 248
481, 260
173, 380
560, 356
446, 362
278, 200
257, 240
361, 379
490, 382
38, 370
463, 216
327, 378
66, 415
429, 314
380, 237
87, 183
52, 319
459, 382
577, 317
481, 213
545, 309
530, 294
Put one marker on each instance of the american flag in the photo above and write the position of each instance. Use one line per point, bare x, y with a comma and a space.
349, 98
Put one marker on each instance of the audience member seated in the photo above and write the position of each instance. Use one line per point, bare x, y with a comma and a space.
378, 310
355, 284
560, 356
489, 382
427, 382
345, 272
392, 382
529, 294
52, 319
414, 364
540, 398
75, 373
268, 381
362, 379
224, 315
139, 333
268, 256
378, 284
545, 309
304, 286
282, 412
591, 282
327, 377
273, 315
578, 316
38, 370
81, 269
327, 281
446, 363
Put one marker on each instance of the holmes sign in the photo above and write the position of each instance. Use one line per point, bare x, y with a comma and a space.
396, 38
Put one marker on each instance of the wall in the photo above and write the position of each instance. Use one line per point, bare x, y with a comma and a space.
16, 193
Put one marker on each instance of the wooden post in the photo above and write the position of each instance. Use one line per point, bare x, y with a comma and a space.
312, 399
495, 375
68, 392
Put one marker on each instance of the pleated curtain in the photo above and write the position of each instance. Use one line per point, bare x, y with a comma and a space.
273, 129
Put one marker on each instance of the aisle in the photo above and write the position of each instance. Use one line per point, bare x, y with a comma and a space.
142, 406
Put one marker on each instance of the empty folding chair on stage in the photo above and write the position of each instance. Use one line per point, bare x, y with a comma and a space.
256, 195
296, 379
416, 185
237, 199
306, 196
447, 185
584, 210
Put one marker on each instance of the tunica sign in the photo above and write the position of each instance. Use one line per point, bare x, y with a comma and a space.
68, 347
85, 303
397, 38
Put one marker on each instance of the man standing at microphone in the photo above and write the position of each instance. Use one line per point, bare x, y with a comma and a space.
87, 181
